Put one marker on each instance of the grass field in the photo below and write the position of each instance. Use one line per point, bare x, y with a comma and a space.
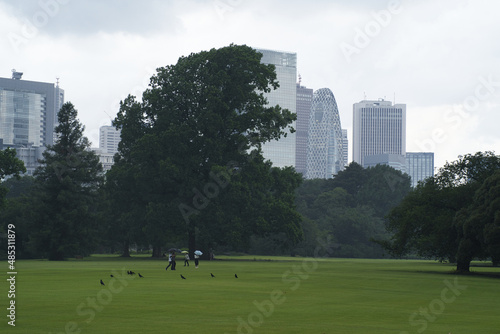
280, 295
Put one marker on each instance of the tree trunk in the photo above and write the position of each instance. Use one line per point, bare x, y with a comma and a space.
463, 265
191, 240
126, 249
157, 252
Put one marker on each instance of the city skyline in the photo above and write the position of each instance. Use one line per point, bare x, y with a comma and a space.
435, 57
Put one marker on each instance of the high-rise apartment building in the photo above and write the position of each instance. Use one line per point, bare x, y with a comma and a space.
304, 102
379, 128
325, 155
282, 152
420, 166
28, 116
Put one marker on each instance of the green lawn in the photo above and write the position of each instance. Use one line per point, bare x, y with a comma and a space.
280, 295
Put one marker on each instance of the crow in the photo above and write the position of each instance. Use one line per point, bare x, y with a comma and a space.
132, 273
236, 276
128, 272
183, 277
102, 283
212, 275
140, 275
111, 276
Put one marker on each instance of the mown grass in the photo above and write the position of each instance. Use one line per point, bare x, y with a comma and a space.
279, 295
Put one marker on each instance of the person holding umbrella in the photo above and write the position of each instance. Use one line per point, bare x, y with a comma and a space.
197, 255
171, 258
186, 258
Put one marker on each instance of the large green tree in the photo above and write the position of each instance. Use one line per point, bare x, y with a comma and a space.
202, 117
445, 216
68, 181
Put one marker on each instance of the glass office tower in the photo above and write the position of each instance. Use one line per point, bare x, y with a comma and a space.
378, 128
325, 155
28, 117
282, 152
304, 102
419, 165
28, 111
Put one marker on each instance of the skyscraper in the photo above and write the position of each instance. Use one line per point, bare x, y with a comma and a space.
28, 111
28, 116
419, 165
379, 128
304, 102
282, 152
325, 156
345, 147
109, 138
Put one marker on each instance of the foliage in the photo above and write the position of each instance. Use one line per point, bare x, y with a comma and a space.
350, 208
203, 115
68, 180
9, 165
452, 215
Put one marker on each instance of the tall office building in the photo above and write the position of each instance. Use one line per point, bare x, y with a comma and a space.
109, 138
379, 128
28, 111
282, 152
325, 156
28, 116
304, 102
345, 147
419, 165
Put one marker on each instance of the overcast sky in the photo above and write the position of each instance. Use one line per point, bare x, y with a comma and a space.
440, 58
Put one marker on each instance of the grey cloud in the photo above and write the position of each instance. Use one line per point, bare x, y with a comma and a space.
91, 16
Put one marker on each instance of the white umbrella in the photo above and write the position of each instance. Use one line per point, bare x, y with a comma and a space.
197, 252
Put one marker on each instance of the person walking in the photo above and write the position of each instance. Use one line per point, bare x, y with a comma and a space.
196, 259
173, 261
186, 259
169, 261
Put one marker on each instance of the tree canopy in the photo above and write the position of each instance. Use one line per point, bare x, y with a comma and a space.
452, 215
350, 209
9, 165
201, 120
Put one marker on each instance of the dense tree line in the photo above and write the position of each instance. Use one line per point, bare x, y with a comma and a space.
349, 209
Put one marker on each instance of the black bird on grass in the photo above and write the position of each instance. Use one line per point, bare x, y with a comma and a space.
235, 276
102, 283
183, 277
140, 275
111, 276
212, 275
